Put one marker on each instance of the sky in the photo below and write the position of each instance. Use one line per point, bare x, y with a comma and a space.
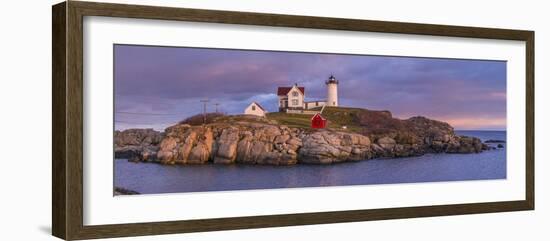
156, 87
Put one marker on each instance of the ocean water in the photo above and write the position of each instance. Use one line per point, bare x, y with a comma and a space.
149, 178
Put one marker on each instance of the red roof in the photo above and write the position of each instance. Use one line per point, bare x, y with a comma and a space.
317, 115
259, 105
285, 90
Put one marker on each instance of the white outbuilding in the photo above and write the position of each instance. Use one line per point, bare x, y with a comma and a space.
255, 109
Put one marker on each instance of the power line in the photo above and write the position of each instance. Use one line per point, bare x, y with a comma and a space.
138, 113
205, 101
149, 123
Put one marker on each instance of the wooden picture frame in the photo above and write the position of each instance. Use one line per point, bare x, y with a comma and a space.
67, 150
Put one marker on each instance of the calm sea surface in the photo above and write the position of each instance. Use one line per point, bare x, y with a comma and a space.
150, 178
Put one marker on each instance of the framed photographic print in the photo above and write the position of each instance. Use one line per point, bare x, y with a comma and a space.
171, 120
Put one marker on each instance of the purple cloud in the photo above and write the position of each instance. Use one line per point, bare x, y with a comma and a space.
162, 85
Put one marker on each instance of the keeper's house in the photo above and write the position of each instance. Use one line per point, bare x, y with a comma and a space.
291, 98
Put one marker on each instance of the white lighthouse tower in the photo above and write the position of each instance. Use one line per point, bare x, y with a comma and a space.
332, 91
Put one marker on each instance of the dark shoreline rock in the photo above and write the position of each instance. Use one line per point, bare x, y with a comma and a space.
494, 141
123, 191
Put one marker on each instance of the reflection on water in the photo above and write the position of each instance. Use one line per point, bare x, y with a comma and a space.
155, 178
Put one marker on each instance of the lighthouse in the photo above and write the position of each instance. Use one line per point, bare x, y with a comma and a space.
332, 91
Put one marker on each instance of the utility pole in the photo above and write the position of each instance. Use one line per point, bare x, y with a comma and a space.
217, 104
205, 101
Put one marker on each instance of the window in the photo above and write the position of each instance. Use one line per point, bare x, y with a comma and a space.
294, 93
253, 107
294, 102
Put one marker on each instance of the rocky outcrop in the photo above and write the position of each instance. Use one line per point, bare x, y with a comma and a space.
257, 140
324, 147
136, 144
266, 143
223, 143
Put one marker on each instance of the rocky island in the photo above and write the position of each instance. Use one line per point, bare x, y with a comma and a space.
353, 134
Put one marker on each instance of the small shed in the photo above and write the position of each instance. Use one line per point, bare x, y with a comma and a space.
318, 121
255, 109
